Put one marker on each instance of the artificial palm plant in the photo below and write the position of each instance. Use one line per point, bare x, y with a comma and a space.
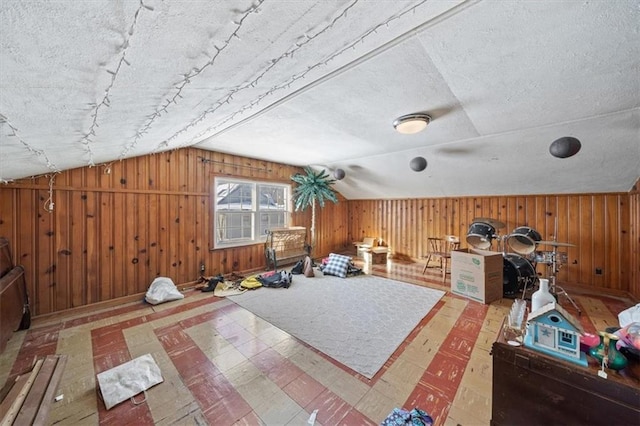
313, 187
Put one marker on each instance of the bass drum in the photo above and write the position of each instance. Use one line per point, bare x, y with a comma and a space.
480, 235
517, 273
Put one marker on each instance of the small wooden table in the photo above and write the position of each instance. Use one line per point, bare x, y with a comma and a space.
379, 255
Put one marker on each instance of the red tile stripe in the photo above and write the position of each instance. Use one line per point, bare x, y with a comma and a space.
110, 350
38, 343
410, 338
221, 404
219, 401
42, 341
438, 385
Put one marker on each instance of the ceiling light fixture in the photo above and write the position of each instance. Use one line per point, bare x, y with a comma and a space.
412, 123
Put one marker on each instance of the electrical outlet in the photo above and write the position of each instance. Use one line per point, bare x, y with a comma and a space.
202, 268
598, 271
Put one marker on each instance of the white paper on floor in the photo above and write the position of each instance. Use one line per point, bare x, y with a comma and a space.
312, 418
129, 379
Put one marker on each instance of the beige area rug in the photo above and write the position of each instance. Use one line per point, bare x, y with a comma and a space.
358, 321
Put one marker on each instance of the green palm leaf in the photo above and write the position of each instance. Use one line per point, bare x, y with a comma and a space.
313, 187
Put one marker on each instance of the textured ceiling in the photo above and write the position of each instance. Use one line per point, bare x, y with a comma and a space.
320, 82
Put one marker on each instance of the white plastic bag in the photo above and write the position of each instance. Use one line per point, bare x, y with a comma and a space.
630, 315
161, 290
129, 379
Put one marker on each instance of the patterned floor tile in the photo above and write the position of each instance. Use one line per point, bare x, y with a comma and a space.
303, 389
223, 365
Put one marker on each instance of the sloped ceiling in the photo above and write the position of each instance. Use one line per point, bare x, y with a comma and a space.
320, 82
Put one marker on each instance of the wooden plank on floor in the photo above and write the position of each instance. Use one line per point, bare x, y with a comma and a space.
49, 394
15, 399
29, 400
11, 391
33, 399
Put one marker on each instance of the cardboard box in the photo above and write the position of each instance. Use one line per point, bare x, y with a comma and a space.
477, 274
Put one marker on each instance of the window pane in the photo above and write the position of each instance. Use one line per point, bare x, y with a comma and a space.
272, 197
234, 226
234, 196
245, 210
270, 220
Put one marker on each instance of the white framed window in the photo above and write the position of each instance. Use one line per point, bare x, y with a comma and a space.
566, 337
244, 210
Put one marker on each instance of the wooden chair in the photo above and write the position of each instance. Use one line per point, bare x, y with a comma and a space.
440, 249
364, 246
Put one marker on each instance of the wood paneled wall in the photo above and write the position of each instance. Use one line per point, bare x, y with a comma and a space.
598, 224
634, 264
110, 235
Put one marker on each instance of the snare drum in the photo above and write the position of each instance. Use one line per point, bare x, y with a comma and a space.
523, 240
480, 235
546, 257
517, 273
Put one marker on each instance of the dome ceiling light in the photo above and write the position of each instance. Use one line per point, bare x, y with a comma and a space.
412, 123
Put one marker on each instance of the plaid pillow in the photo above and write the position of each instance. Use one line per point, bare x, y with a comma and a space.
337, 265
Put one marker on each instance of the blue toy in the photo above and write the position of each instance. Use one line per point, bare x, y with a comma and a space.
553, 331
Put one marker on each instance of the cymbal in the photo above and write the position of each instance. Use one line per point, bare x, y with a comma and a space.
555, 244
495, 223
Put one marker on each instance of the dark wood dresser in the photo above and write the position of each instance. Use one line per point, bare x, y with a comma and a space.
530, 388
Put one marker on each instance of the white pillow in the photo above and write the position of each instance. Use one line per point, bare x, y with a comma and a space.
338, 265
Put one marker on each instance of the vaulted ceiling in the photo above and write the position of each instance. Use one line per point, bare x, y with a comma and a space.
87, 83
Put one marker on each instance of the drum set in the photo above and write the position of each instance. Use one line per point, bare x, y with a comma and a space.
519, 268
